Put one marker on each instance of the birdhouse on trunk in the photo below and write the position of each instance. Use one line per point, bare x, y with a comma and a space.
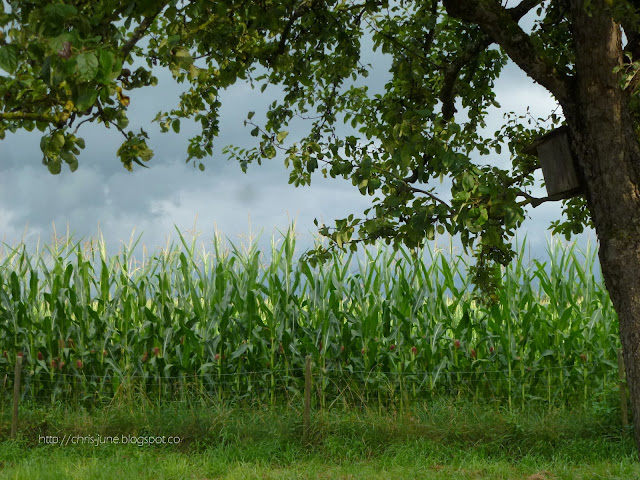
556, 160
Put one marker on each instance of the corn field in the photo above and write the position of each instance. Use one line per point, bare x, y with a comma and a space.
396, 328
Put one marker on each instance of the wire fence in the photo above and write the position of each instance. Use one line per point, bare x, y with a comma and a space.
331, 386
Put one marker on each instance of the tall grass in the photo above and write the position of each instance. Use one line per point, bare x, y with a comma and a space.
226, 327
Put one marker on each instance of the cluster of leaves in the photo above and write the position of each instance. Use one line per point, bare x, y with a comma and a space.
65, 65
66, 61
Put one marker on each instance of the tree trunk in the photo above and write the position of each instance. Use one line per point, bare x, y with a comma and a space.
603, 138
605, 143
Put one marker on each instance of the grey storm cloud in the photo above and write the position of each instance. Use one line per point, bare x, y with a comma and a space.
102, 196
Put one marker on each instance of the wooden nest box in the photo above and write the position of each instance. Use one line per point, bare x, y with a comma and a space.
556, 160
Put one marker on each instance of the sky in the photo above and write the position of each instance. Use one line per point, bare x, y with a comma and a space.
101, 197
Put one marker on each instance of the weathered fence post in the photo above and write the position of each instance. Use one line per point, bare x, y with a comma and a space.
307, 400
623, 390
16, 397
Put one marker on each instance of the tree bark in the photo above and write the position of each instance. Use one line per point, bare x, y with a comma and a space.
606, 146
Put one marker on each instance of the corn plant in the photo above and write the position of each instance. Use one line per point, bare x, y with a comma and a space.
228, 327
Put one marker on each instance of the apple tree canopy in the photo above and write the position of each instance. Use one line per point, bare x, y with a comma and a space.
66, 63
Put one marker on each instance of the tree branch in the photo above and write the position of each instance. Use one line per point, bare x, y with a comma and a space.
469, 54
432, 196
501, 26
524, 7
416, 171
534, 201
399, 44
430, 36
452, 70
38, 117
140, 30
407, 180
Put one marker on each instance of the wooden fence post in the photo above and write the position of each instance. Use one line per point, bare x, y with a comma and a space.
307, 400
16, 397
623, 390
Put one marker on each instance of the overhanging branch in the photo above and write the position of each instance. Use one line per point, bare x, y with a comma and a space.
533, 201
38, 117
501, 26
524, 7
471, 51
431, 196
140, 30
452, 71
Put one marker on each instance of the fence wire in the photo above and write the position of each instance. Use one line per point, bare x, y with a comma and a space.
334, 385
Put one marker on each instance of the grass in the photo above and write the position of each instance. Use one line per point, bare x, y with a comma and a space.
414, 461
441, 440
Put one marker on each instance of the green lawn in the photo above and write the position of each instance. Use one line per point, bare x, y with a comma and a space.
404, 461
440, 440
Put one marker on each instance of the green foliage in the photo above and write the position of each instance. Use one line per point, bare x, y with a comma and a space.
9, 58
391, 331
58, 146
87, 64
66, 61
135, 149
